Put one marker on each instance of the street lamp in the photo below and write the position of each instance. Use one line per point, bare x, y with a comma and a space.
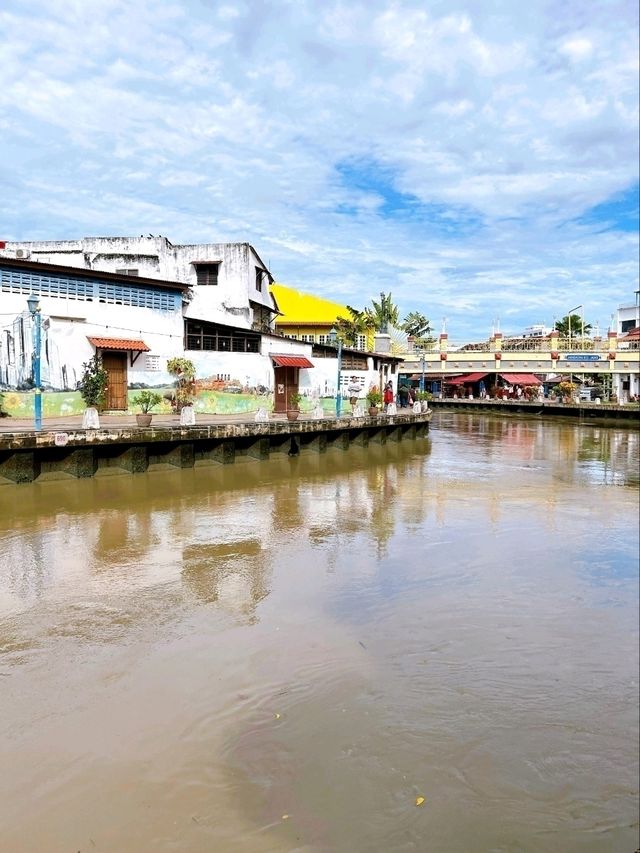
335, 341
422, 377
569, 319
33, 304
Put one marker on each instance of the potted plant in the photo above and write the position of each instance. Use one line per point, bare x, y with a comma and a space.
423, 398
566, 390
374, 399
293, 406
146, 400
185, 393
93, 390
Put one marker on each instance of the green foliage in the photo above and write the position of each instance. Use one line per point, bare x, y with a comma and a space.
147, 400
384, 313
424, 395
183, 368
417, 325
565, 388
374, 397
294, 400
94, 381
185, 372
349, 329
576, 326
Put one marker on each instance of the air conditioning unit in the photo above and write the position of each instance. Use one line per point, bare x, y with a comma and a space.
22, 253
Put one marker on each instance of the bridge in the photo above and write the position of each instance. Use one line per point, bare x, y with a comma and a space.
610, 356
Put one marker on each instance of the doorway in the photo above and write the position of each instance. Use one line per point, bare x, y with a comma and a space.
115, 363
286, 383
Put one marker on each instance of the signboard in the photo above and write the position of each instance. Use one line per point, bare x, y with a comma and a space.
583, 356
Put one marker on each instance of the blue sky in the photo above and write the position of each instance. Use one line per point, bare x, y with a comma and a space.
478, 159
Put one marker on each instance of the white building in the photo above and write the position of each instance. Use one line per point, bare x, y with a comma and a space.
229, 282
136, 323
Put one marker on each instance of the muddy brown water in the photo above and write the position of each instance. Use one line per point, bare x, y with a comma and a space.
284, 656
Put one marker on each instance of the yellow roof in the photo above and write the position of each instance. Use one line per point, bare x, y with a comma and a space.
300, 307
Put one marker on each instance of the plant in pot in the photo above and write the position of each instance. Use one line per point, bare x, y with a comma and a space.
423, 398
93, 390
293, 406
566, 390
374, 400
185, 392
146, 400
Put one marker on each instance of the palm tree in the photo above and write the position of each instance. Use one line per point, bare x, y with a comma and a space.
349, 329
573, 323
383, 314
416, 325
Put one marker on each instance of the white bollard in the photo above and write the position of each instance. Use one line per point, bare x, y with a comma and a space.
317, 412
90, 419
187, 416
261, 415
392, 409
358, 411
417, 408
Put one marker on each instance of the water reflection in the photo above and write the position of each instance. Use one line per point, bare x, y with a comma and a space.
232, 574
201, 652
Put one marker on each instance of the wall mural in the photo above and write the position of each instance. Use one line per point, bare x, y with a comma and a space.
227, 383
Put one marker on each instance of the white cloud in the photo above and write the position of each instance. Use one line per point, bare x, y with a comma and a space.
481, 136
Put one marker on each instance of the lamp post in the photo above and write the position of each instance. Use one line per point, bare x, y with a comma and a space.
335, 341
422, 376
569, 319
34, 309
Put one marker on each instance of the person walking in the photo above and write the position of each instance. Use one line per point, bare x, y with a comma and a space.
387, 397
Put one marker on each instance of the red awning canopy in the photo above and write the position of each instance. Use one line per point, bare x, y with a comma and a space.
520, 378
463, 380
291, 361
121, 344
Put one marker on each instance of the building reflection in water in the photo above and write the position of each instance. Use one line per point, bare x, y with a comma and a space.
235, 575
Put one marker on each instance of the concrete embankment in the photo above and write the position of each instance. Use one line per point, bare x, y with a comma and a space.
64, 450
605, 414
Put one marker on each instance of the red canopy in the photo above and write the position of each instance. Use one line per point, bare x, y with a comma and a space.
291, 361
520, 378
463, 380
119, 344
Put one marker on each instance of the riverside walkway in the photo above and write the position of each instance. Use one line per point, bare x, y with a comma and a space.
63, 449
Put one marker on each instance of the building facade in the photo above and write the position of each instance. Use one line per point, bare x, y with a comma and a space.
137, 324
228, 282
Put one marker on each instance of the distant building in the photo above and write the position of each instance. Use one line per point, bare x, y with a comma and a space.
536, 331
308, 318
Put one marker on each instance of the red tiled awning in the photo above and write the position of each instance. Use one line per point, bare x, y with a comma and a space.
121, 344
291, 361
520, 378
463, 380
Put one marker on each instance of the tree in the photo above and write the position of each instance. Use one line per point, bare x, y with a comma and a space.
348, 329
416, 325
383, 314
572, 322
94, 382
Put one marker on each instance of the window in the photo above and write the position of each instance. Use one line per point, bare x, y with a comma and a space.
127, 271
207, 274
627, 326
153, 362
201, 335
361, 342
307, 338
259, 274
322, 339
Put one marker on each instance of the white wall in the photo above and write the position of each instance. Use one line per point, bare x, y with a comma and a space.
155, 257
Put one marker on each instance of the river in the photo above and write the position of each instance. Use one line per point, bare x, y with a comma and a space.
423, 646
